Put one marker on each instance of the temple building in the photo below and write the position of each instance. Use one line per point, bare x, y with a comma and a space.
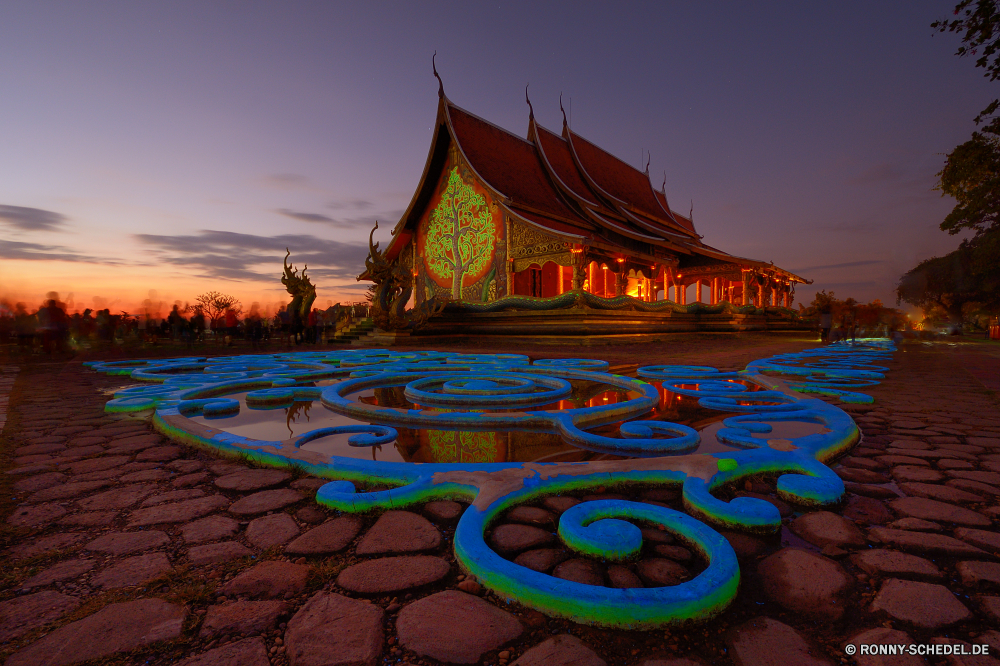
499, 215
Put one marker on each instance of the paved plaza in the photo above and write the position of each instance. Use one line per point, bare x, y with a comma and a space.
122, 547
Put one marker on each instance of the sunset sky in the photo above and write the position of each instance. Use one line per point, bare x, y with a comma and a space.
160, 150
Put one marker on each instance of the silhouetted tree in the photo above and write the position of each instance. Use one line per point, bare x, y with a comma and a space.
971, 175
215, 304
950, 283
869, 315
978, 21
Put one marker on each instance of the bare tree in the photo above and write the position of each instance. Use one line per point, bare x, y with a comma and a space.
215, 304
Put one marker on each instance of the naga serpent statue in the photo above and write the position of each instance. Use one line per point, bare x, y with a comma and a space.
303, 294
393, 286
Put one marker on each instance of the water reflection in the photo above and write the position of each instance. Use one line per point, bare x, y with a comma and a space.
421, 445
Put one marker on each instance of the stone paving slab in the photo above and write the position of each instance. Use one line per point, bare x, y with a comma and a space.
242, 617
177, 512
393, 574
123, 543
358, 639
212, 553
65, 570
270, 579
132, 571
114, 628
248, 652
22, 614
455, 627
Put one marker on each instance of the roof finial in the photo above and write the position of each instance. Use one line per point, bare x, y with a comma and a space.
531, 109
649, 158
440, 82
663, 188
691, 214
565, 124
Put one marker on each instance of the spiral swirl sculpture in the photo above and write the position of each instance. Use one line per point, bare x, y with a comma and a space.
504, 392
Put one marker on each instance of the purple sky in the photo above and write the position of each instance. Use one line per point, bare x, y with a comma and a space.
181, 146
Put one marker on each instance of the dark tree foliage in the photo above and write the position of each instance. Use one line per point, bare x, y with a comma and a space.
978, 21
971, 175
849, 311
950, 283
968, 279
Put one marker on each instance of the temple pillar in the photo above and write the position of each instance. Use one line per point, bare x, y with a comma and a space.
746, 290
579, 270
715, 291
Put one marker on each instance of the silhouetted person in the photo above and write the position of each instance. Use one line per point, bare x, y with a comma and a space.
24, 325
825, 324
176, 320
53, 324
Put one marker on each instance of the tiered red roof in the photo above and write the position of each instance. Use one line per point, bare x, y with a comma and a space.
564, 184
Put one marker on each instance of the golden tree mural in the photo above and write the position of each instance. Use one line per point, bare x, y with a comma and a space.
460, 235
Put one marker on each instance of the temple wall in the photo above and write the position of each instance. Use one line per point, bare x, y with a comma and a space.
461, 205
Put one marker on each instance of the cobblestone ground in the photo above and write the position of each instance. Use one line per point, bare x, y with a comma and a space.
122, 548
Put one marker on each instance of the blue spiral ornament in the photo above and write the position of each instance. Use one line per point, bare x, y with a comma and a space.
511, 393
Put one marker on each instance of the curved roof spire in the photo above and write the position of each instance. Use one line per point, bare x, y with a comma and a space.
438, 76
565, 124
649, 158
663, 188
531, 109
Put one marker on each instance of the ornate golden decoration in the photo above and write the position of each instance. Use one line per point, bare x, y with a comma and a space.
527, 241
563, 259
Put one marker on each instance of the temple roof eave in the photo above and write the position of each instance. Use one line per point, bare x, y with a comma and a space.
748, 263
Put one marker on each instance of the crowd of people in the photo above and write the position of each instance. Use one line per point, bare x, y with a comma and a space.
51, 328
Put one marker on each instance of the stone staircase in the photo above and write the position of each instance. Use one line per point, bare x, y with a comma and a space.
358, 329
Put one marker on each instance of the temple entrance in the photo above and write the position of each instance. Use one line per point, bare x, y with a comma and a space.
535, 282
549, 279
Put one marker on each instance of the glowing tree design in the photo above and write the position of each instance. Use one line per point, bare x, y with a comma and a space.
460, 235
463, 447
